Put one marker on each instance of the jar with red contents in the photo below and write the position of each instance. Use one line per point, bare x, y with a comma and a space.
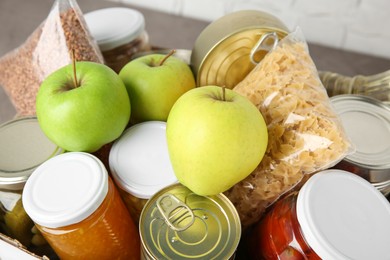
335, 215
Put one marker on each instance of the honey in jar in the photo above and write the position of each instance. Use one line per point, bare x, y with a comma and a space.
77, 208
120, 33
140, 165
335, 215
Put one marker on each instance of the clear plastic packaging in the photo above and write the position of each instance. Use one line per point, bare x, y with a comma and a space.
305, 134
47, 49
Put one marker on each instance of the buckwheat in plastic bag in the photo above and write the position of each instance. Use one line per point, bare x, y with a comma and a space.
48, 48
305, 134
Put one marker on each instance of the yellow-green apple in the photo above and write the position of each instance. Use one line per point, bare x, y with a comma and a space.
83, 106
215, 138
154, 82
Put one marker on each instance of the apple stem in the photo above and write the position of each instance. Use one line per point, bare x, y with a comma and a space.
223, 93
76, 84
166, 57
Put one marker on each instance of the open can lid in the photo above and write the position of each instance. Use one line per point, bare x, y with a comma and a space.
179, 224
24, 147
65, 190
342, 216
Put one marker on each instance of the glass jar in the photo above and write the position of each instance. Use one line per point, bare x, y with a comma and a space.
140, 164
24, 147
78, 210
120, 33
335, 215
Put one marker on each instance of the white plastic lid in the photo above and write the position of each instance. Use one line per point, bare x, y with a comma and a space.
113, 27
342, 216
65, 190
139, 160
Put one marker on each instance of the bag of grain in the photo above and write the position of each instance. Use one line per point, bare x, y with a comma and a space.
47, 49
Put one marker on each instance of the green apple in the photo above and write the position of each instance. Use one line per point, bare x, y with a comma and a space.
154, 82
83, 106
215, 138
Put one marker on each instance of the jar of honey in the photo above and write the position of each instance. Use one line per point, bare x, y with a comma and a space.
140, 164
119, 32
335, 215
77, 208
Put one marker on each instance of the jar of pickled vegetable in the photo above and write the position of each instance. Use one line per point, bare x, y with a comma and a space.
24, 147
78, 210
335, 215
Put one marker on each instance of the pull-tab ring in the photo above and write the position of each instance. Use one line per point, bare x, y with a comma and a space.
267, 42
175, 212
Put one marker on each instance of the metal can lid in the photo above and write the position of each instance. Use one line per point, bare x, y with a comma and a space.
342, 216
179, 224
222, 53
65, 189
139, 160
367, 122
115, 26
24, 147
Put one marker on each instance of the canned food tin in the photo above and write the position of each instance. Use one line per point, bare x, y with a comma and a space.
178, 224
231, 46
367, 123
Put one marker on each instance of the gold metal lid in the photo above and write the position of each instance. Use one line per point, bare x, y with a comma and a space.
178, 224
24, 147
228, 49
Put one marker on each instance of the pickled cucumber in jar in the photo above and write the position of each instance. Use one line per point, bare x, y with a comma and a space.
14, 220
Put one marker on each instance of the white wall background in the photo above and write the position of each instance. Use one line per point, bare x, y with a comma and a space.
356, 25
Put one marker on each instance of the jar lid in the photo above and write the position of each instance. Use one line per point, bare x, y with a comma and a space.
139, 160
342, 216
65, 190
113, 27
179, 224
24, 147
367, 122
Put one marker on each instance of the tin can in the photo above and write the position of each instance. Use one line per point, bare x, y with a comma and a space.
23, 147
367, 123
78, 209
231, 46
119, 32
335, 215
178, 224
140, 164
